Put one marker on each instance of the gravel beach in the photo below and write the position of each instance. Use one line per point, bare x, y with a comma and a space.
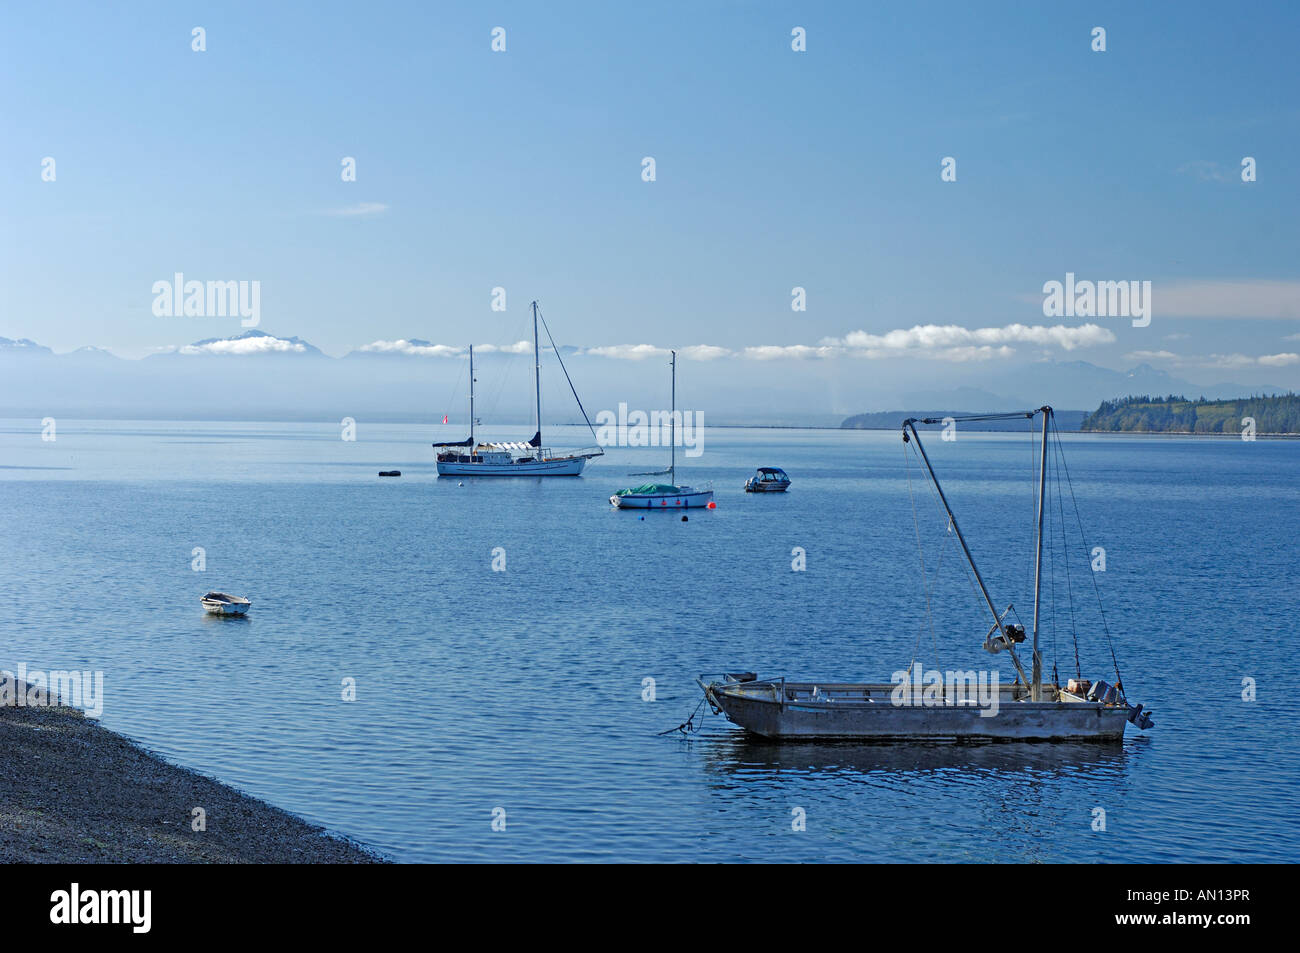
74, 792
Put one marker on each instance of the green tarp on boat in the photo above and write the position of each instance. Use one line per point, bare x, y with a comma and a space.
652, 489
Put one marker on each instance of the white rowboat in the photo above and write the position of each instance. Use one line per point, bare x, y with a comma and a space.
223, 603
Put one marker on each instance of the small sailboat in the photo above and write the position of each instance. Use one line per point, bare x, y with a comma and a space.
666, 496
468, 458
917, 706
768, 480
223, 603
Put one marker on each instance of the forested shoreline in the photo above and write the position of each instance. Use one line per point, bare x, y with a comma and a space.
1279, 413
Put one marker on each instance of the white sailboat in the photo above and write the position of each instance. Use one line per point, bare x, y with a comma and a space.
925, 710
468, 458
665, 496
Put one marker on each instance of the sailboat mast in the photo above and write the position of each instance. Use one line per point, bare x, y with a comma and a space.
537, 380
952, 519
1037, 690
672, 428
471, 398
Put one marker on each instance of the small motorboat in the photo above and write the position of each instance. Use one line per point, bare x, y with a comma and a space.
768, 480
223, 603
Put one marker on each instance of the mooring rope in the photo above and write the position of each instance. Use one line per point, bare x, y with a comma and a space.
688, 726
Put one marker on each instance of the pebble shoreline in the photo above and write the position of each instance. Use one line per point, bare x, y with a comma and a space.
72, 791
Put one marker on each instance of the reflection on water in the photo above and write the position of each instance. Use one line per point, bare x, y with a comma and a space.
737, 753
523, 689
212, 618
1010, 802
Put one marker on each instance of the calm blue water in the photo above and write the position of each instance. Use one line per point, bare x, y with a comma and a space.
522, 689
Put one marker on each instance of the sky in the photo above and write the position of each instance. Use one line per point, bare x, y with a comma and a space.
775, 169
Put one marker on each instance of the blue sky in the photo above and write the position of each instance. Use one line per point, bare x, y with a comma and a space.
775, 169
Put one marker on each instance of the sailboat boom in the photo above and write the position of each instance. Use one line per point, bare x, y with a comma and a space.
910, 425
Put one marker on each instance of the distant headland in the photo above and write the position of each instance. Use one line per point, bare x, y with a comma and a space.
893, 420
1276, 414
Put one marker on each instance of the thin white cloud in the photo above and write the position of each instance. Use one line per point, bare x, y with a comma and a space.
360, 208
1218, 361
776, 352
703, 352
958, 355
403, 346
1168, 357
241, 346
961, 355
627, 352
519, 347
639, 352
1279, 360
425, 349
948, 342
955, 338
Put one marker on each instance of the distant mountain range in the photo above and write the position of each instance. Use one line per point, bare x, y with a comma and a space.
263, 376
22, 345
252, 343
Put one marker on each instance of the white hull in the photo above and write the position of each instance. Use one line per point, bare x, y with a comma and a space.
226, 609
662, 501
472, 458
223, 604
569, 466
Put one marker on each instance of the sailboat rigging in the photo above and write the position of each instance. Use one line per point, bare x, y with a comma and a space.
1025, 710
668, 495
467, 458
